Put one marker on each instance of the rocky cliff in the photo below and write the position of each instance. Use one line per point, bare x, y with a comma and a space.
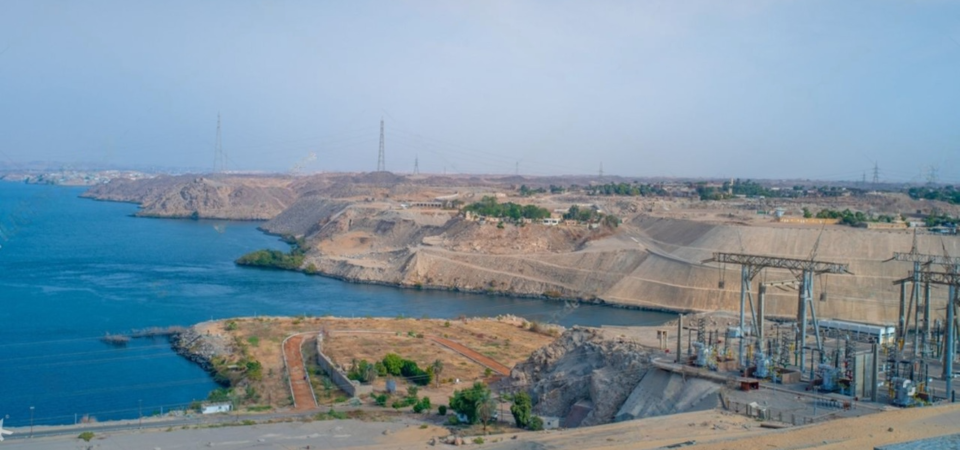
193, 196
583, 377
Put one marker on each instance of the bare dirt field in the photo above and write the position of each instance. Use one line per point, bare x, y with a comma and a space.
498, 342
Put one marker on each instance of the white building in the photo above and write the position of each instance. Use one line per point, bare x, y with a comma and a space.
214, 408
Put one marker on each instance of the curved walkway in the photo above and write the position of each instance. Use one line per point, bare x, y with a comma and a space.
303, 398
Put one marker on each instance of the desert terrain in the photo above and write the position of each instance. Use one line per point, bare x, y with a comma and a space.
224, 347
411, 231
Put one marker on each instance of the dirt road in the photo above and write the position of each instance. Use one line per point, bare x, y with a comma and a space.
471, 355
303, 398
467, 352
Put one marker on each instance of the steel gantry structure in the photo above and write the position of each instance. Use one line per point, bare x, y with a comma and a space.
952, 281
802, 269
921, 335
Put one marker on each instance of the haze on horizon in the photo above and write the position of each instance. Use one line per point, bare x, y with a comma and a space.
792, 89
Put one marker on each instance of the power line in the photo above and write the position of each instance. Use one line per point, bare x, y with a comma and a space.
219, 160
381, 164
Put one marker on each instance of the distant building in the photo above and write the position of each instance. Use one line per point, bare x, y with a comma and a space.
427, 204
551, 221
886, 226
808, 221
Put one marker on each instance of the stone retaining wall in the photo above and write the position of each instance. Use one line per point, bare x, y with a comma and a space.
352, 388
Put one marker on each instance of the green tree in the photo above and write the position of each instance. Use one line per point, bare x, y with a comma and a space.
393, 363
468, 401
486, 409
522, 406
611, 221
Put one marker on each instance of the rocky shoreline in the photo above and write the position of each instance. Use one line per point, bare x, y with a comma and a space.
595, 301
200, 348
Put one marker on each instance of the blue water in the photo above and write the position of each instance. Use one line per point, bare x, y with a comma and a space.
73, 269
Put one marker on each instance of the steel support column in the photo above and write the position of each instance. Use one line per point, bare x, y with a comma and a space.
949, 344
901, 319
744, 287
925, 346
916, 309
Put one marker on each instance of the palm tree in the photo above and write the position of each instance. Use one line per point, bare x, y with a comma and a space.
437, 370
486, 408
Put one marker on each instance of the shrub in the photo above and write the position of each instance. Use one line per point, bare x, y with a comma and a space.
363, 371
254, 370
381, 400
478, 440
442, 410
414, 373
536, 423
453, 420
272, 258
404, 402
422, 406
86, 436
393, 364
219, 395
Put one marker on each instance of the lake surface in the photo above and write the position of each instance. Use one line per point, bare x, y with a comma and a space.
73, 269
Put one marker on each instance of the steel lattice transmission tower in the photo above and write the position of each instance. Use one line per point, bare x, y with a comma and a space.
416, 164
876, 173
802, 269
381, 164
219, 159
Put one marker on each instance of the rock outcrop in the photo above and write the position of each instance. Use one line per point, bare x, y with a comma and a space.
582, 369
201, 348
201, 197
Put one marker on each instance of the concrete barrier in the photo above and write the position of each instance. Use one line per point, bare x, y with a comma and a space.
351, 387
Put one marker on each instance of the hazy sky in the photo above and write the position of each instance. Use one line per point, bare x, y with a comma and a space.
761, 89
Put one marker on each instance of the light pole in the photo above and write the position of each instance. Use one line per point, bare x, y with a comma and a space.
31, 421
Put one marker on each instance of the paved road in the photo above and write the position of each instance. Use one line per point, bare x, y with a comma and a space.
150, 423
